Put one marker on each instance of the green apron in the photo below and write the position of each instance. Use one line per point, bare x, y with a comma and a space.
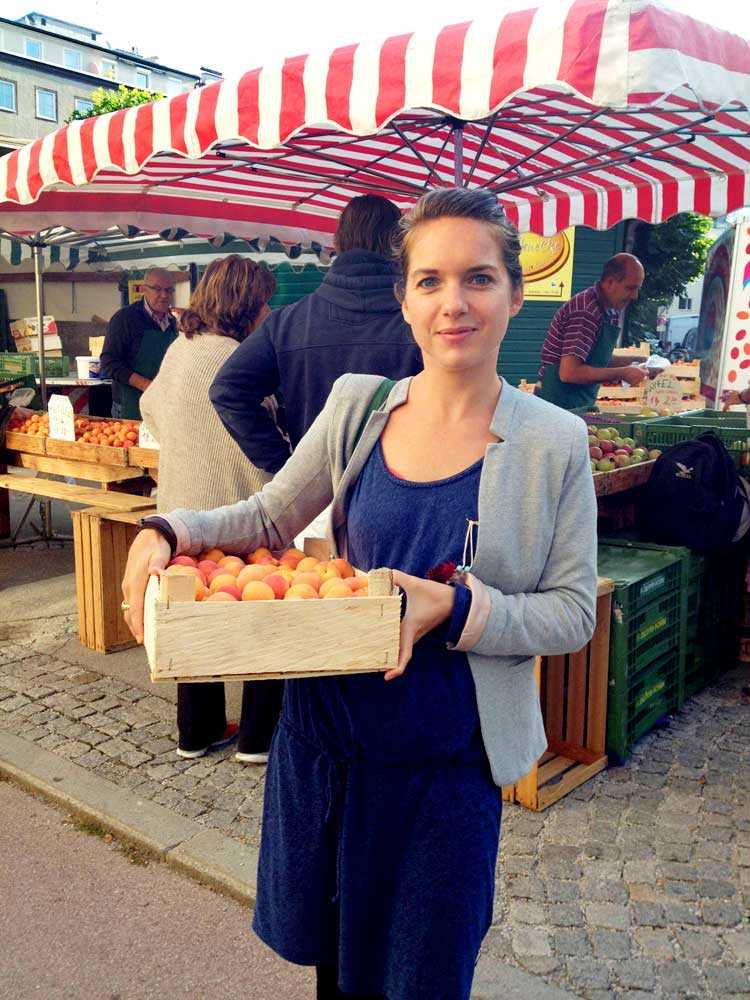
146, 363
570, 396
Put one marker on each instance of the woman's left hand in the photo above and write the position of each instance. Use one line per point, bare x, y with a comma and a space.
427, 605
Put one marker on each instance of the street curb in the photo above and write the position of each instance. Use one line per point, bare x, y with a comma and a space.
200, 852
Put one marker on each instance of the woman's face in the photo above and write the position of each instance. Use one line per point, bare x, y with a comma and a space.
458, 297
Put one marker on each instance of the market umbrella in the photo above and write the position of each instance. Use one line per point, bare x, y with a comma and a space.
575, 113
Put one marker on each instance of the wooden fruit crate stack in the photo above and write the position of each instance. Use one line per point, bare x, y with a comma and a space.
623, 398
688, 375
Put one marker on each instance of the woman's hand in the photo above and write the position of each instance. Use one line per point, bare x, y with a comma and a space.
731, 398
427, 605
148, 554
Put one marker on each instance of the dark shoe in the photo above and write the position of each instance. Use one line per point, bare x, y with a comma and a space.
230, 734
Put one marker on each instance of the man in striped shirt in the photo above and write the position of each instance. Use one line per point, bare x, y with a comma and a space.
583, 334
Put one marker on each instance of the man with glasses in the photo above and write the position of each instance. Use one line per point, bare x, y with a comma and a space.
137, 340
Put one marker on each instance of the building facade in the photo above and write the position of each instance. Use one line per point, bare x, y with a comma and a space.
49, 68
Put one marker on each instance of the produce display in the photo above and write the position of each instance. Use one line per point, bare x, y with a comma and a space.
261, 576
608, 451
36, 425
114, 433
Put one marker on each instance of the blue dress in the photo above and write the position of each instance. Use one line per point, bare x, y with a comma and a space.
381, 820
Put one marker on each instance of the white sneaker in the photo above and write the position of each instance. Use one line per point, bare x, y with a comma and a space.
251, 758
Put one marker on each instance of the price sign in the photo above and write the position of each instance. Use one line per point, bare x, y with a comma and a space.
61, 418
664, 393
145, 438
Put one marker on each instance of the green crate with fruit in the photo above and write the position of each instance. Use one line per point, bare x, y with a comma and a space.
627, 425
609, 450
730, 428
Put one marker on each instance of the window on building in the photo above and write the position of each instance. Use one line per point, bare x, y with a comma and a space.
109, 69
684, 302
33, 48
72, 59
46, 104
7, 95
82, 104
142, 79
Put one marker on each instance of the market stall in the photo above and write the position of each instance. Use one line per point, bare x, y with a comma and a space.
571, 114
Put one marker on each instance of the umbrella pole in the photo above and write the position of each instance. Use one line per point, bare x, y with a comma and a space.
458, 154
40, 320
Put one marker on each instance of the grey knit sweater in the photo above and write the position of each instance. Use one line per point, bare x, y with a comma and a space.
200, 466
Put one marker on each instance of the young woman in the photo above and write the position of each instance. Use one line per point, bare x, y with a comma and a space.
200, 466
382, 809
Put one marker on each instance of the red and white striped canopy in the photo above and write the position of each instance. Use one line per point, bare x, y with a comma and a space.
583, 112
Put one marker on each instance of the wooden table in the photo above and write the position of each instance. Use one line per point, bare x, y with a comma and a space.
114, 471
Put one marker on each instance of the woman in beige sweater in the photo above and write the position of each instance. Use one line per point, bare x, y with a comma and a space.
201, 467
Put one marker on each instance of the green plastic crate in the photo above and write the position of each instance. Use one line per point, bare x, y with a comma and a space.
730, 428
693, 567
640, 575
12, 363
626, 424
634, 709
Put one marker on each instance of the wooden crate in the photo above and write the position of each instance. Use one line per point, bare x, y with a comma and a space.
187, 640
143, 458
573, 691
83, 451
102, 539
88, 471
621, 393
28, 443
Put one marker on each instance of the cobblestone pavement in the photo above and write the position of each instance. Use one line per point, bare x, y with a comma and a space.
635, 885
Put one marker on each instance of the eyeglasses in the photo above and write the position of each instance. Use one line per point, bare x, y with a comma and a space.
162, 291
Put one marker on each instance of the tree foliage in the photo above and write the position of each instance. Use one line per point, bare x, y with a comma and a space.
673, 254
114, 100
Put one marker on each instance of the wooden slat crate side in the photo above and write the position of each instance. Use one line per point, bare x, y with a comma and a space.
143, 458
576, 776
83, 451
575, 715
596, 715
574, 699
122, 539
28, 443
87, 611
89, 471
79, 549
288, 638
554, 709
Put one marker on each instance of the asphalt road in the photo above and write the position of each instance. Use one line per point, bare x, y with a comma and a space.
80, 921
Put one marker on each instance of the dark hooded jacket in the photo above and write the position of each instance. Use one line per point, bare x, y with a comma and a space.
351, 323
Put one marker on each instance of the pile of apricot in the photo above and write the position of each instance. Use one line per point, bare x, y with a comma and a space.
261, 576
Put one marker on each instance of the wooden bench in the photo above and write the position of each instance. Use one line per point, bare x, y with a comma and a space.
101, 540
53, 489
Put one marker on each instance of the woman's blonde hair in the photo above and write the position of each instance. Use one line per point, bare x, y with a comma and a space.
461, 203
229, 298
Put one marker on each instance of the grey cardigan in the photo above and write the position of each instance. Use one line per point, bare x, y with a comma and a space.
535, 555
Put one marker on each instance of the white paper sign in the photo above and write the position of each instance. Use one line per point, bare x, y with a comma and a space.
61, 418
145, 438
664, 392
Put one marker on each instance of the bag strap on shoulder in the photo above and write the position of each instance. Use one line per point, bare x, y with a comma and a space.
377, 402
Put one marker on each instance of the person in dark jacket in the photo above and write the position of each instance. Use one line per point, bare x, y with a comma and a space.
351, 323
137, 339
